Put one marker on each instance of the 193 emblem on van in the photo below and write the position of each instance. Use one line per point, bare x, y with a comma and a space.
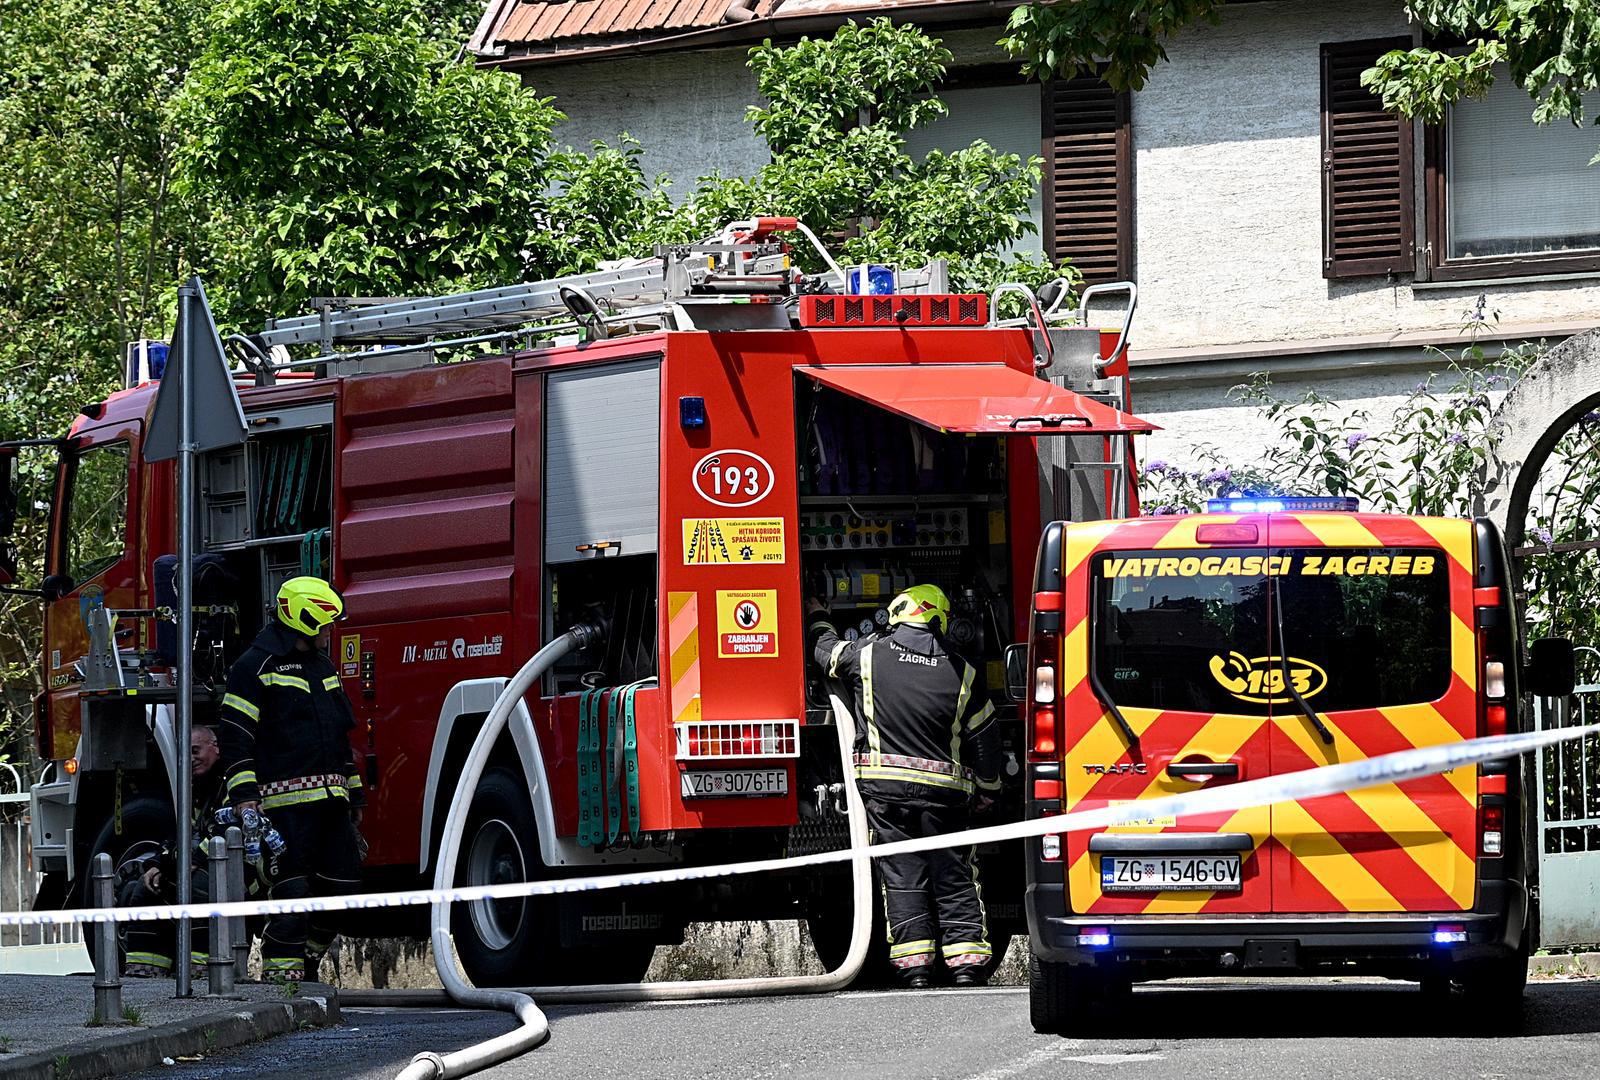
1260, 679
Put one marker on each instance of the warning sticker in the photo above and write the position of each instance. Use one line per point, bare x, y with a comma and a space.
747, 622
732, 540
350, 654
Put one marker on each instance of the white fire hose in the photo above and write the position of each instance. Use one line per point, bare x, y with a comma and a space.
535, 1027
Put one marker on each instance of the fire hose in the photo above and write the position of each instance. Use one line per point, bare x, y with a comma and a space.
535, 1027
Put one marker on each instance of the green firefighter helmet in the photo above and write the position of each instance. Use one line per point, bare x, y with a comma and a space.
925, 604
309, 605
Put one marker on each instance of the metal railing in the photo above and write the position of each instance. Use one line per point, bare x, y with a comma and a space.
35, 949
1568, 805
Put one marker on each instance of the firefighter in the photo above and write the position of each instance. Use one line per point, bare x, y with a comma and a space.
286, 751
918, 706
145, 876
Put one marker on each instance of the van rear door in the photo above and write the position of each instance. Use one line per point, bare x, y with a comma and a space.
1376, 628
1171, 630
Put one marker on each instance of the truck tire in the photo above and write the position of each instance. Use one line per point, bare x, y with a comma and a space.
829, 930
1061, 996
502, 942
145, 819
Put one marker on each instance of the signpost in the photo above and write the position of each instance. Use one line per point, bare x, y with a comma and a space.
197, 408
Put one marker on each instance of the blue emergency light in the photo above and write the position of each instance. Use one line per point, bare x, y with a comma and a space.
1256, 504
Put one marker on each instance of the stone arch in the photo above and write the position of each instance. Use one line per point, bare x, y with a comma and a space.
1539, 410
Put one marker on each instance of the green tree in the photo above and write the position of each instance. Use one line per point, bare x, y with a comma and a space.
354, 156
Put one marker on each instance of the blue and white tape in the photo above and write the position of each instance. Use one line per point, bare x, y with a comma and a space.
1308, 784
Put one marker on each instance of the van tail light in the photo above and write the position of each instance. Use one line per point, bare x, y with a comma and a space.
1044, 717
1494, 825
1494, 679
1494, 720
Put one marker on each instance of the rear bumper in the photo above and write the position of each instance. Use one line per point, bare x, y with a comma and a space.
1210, 944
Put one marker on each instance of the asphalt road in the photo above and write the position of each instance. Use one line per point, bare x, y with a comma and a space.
1262, 1030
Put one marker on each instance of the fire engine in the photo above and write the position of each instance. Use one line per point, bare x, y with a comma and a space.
1266, 636
683, 448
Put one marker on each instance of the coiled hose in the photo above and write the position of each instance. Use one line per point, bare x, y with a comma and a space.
535, 1027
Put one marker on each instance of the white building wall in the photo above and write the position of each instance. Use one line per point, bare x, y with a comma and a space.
1228, 205
687, 109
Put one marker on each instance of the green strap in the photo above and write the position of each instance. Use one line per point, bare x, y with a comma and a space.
611, 766
630, 759
298, 506
286, 499
587, 773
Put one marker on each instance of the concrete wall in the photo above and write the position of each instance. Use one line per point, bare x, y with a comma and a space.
1229, 199
686, 108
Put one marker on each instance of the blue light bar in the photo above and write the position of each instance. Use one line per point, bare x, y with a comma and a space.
1094, 937
1254, 504
1450, 934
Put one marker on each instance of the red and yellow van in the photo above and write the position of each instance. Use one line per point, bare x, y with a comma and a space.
1167, 654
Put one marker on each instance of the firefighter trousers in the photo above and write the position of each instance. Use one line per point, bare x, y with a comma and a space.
152, 942
931, 899
319, 859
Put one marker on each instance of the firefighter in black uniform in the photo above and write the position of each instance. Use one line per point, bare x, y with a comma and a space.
286, 751
925, 745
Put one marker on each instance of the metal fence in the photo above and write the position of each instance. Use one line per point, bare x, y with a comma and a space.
33, 949
1569, 821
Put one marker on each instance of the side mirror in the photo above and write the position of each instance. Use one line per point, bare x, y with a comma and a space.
1552, 669
54, 587
1016, 672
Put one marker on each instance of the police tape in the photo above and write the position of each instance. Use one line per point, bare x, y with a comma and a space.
1308, 784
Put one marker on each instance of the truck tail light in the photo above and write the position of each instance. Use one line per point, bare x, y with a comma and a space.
709, 740
1494, 824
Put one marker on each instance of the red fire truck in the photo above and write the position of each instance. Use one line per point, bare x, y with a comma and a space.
686, 446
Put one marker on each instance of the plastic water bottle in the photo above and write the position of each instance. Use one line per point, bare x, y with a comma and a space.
251, 822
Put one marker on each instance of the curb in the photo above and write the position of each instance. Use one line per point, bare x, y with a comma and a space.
1583, 964
118, 1055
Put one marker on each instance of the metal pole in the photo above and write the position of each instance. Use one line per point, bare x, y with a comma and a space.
183, 797
219, 962
108, 957
239, 934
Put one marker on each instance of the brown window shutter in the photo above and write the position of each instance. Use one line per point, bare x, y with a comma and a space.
1088, 174
1367, 213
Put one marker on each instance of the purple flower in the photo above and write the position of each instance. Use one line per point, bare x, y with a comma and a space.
1218, 476
1497, 380
1589, 417
1456, 439
1163, 510
1156, 468
1354, 440
1420, 388
1543, 536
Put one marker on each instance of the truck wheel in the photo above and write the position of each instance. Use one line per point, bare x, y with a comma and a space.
829, 931
502, 942
1060, 996
145, 820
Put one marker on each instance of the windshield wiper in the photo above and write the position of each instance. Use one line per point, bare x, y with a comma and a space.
1288, 679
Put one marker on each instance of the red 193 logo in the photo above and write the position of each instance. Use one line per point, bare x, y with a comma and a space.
733, 477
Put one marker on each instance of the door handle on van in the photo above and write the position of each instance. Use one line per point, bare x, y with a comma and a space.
1188, 770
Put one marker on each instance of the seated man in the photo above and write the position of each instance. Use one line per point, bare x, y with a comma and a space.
147, 873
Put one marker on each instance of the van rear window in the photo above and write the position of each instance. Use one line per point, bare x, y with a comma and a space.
1199, 631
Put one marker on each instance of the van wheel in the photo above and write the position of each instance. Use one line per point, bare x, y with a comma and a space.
1059, 995
1493, 990
502, 942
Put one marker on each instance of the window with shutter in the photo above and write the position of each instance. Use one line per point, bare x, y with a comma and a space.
1088, 162
1367, 199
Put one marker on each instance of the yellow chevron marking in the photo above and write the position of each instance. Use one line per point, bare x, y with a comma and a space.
1412, 830
685, 657
1463, 652
1452, 534
1074, 658
1338, 530
1102, 743
1082, 539
676, 602
1325, 859
1424, 725
1181, 535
